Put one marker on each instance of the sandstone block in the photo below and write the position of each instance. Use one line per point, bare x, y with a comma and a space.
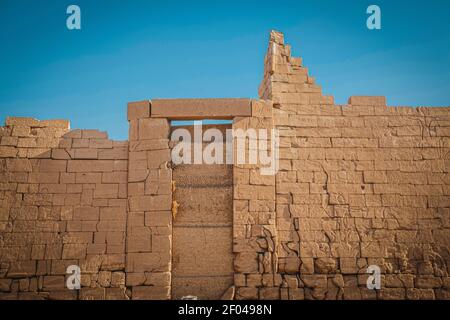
118, 279
153, 129
93, 134
90, 165
106, 191
74, 251
420, 294
20, 131
18, 165
261, 108
138, 110
48, 165
325, 265
92, 294
113, 213
151, 203
52, 283
100, 144
80, 143
158, 157
367, 101
200, 108
116, 153
86, 213
146, 262
246, 262
245, 293
150, 293
8, 152
22, 269
158, 219
86, 153
116, 294
22, 121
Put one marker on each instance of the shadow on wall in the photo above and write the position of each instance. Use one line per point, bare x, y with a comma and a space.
63, 202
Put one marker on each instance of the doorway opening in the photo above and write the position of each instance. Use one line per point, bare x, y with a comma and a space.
202, 259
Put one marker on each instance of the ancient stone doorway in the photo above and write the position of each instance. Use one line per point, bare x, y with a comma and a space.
202, 260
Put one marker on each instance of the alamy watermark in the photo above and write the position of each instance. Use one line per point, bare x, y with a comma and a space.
73, 21
251, 146
73, 281
374, 20
374, 280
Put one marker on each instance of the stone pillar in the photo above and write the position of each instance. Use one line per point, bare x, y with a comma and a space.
149, 224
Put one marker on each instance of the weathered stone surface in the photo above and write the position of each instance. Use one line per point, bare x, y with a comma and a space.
358, 185
229, 294
325, 265
150, 293
201, 108
138, 110
246, 262
367, 101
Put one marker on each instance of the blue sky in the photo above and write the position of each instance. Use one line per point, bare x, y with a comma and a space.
134, 50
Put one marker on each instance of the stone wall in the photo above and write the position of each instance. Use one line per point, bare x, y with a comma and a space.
255, 234
63, 202
358, 185
149, 225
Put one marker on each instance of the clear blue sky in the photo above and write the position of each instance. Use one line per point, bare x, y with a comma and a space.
134, 50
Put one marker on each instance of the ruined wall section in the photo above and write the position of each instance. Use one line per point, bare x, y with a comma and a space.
63, 201
359, 184
149, 224
254, 230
